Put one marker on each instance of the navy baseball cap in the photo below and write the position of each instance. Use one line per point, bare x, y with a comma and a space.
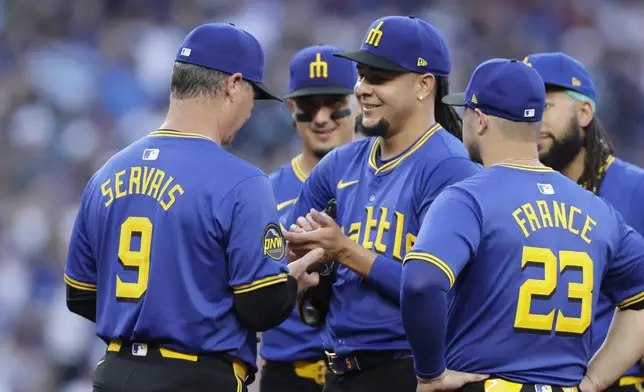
315, 71
403, 44
504, 88
559, 69
228, 49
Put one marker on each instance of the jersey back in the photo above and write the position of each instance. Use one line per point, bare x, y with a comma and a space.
168, 231
522, 308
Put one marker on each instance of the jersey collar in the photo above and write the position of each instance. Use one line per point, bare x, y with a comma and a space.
392, 163
178, 134
297, 168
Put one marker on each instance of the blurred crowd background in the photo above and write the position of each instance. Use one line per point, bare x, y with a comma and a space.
80, 79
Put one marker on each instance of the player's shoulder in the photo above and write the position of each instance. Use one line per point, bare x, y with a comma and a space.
355, 148
626, 174
444, 145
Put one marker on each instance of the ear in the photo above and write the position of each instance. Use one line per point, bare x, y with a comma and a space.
426, 84
585, 114
482, 122
290, 104
234, 84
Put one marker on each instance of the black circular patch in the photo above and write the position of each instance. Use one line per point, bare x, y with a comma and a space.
273, 242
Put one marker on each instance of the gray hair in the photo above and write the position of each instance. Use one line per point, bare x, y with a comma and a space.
191, 81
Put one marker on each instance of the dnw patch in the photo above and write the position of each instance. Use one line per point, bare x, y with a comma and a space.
273, 242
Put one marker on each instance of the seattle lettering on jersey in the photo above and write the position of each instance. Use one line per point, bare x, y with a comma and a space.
375, 225
142, 180
553, 214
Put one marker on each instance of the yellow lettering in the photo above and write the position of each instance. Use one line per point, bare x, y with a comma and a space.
370, 223
520, 222
165, 186
398, 239
147, 177
383, 226
571, 217
272, 243
354, 232
135, 180
560, 214
563, 218
173, 198
544, 211
156, 183
117, 184
107, 191
588, 226
532, 216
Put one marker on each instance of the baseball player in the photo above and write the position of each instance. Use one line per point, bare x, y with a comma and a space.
525, 252
176, 252
322, 105
383, 186
574, 142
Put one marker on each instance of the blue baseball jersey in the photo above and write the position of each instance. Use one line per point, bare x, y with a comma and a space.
292, 340
168, 231
623, 188
527, 252
380, 205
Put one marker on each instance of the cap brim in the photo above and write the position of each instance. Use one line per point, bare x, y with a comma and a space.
372, 60
325, 90
457, 99
262, 92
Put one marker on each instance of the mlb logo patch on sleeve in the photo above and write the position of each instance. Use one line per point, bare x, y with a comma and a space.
150, 154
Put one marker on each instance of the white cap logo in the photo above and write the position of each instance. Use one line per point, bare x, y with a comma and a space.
528, 113
186, 52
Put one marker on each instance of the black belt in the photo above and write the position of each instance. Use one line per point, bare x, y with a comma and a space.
155, 352
361, 360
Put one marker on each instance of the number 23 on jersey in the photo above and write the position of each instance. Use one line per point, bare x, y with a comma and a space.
582, 292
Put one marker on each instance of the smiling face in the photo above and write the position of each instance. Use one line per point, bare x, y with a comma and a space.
323, 121
386, 98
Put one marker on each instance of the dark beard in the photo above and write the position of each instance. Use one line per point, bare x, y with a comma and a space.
380, 129
320, 153
475, 153
563, 151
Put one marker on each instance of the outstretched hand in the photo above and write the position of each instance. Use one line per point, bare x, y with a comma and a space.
316, 230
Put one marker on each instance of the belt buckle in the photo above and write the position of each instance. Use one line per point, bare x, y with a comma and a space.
330, 360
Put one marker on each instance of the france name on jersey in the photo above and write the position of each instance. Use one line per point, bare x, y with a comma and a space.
380, 206
527, 252
623, 187
292, 340
168, 231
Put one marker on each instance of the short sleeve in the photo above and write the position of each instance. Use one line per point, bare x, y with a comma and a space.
80, 268
450, 233
255, 247
623, 282
449, 172
317, 190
